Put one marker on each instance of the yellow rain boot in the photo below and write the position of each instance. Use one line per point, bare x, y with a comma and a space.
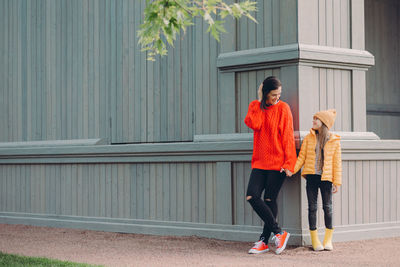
328, 239
316, 244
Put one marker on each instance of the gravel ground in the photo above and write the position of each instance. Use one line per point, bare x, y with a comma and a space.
116, 249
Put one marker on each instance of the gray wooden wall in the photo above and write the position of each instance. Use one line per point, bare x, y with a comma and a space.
73, 70
325, 22
337, 26
182, 192
150, 191
178, 190
369, 192
383, 80
276, 26
53, 84
332, 88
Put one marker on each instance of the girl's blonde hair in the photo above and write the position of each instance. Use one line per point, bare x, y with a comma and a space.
322, 137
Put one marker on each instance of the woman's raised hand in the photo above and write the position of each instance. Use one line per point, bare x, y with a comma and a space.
259, 92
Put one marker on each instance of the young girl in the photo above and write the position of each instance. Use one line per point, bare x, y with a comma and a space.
320, 154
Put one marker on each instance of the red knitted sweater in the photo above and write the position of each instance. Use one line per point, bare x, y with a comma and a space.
273, 144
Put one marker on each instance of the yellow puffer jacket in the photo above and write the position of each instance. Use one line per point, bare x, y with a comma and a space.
332, 170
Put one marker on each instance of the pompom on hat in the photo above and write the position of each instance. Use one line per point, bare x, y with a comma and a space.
327, 117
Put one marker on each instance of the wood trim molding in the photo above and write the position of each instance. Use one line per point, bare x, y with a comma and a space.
221, 231
211, 151
54, 143
380, 109
332, 57
298, 135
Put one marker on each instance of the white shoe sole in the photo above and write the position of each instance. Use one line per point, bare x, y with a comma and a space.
321, 248
251, 251
279, 251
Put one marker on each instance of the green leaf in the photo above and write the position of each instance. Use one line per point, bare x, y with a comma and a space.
164, 19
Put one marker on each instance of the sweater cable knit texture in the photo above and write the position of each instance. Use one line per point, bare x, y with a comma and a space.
273, 144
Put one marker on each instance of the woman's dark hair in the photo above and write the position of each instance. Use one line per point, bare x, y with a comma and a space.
270, 83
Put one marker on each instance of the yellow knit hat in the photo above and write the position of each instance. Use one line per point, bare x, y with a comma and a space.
327, 117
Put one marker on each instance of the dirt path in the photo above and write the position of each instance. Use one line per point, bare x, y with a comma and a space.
115, 249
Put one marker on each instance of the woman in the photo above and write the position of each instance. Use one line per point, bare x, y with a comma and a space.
274, 157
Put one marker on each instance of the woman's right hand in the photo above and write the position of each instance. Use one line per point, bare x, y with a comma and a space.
259, 92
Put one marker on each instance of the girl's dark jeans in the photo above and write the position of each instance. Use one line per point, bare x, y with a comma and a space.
313, 183
270, 182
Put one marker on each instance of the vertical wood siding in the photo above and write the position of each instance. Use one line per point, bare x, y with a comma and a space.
333, 91
383, 79
325, 22
277, 25
153, 100
334, 23
73, 70
166, 192
55, 70
369, 193
204, 52
243, 213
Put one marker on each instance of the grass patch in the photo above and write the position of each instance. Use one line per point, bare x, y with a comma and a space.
16, 260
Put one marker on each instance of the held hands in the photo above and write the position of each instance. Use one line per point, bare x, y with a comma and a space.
335, 188
288, 173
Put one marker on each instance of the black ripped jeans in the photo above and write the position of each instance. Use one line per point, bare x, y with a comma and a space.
313, 183
270, 182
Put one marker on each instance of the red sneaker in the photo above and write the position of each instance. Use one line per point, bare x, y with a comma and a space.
259, 247
280, 240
